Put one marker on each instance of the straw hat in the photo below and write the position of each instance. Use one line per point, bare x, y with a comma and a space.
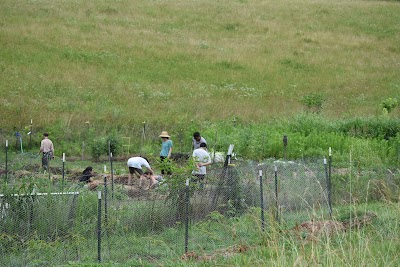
164, 134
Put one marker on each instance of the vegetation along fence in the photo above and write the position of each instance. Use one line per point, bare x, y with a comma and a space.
119, 223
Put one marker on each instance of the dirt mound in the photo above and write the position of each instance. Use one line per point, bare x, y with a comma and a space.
314, 230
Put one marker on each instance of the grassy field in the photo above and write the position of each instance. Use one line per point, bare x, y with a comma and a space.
239, 72
118, 63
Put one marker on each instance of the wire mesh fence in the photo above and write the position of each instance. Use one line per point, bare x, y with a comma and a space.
232, 206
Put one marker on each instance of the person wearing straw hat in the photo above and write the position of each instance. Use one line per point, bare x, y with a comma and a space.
165, 154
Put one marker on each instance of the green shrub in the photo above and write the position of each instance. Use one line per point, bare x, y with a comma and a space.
389, 104
313, 102
98, 148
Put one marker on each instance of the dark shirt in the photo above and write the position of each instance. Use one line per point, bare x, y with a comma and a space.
85, 178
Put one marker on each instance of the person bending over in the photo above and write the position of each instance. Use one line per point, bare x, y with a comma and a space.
135, 165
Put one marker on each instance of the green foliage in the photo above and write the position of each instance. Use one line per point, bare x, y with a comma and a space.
98, 148
389, 104
313, 102
113, 144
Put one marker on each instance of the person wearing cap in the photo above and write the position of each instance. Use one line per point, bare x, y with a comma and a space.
47, 148
165, 154
202, 159
135, 165
197, 140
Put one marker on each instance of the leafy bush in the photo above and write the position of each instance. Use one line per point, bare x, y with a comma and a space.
389, 104
313, 102
98, 148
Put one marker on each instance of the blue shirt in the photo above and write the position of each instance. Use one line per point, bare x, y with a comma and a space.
166, 146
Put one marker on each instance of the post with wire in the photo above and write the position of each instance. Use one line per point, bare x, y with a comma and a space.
187, 217
111, 168
276, 193
99, 226
329, 182
6, 180
262, 201
63, 172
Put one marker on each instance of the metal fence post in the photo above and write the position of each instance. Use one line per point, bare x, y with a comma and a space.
262, 201
63, 172
105, 201
276, 193
99, 227
112, 175
329, 181
6, 180
328, 188
187, 217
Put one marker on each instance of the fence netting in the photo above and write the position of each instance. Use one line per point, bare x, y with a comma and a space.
222, 211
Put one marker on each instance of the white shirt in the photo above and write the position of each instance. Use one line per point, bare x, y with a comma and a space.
200, 155
138, 162
196, 144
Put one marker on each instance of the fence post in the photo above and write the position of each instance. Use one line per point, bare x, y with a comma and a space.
187, 217
262, 201
112, 175
6, 180
329, 181
285, 143
99, 226
105, 201
328, 188
276, 193
63, 172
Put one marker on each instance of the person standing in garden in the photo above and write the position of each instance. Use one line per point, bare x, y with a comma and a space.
197, 140
202, 159
135, 165
165, 154
47, 148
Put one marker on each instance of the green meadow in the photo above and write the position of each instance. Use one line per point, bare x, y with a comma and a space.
118, 63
